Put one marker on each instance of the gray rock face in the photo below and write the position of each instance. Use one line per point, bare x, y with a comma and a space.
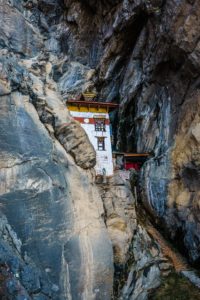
17, 34
149, 63
119, 206
142, 258
58, 222
145, 272
19, 275
74, 78
161, 92
50, 202
142, 54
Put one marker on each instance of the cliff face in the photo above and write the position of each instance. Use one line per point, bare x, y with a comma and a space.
47, 189
146, 57
141, 54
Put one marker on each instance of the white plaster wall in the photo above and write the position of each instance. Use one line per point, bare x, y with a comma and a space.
104, 158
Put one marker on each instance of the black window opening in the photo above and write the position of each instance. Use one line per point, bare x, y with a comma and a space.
101, 143
100, 124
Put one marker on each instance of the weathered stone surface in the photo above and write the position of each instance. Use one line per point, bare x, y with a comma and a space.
20, 278
17, 34
140, 259
142, 54
76, 79
58, 207
120, 213
53, 112
69, 132
184, 188
145, 272
150, 65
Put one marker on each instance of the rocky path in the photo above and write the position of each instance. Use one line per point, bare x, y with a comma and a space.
177, 260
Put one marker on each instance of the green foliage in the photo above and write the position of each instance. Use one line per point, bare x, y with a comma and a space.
176, 287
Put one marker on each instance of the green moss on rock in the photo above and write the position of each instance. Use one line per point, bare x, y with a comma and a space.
176, 287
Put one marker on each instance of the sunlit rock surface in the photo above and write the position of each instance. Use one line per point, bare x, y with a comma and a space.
143, 55
120, 216
147, 60
51, 203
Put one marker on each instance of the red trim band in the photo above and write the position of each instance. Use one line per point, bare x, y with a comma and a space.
90, 120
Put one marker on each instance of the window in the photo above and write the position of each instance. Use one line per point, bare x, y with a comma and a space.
100, 124
101, 143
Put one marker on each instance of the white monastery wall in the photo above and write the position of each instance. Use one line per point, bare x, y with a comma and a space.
104, 158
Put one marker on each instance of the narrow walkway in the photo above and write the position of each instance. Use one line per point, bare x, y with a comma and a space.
177, 260
179, 263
